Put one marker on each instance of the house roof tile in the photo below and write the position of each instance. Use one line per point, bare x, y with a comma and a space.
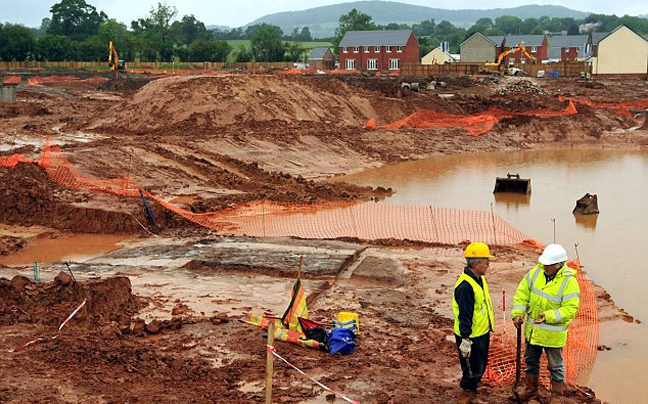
376, 38
317, 53
528, 40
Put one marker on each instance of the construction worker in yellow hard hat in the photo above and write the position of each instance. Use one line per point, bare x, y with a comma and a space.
549, 297
474, 320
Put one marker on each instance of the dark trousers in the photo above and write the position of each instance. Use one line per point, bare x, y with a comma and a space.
478, 361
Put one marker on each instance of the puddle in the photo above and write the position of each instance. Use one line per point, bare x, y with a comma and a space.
78, 247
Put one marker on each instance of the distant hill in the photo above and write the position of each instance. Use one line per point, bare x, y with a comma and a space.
322, 21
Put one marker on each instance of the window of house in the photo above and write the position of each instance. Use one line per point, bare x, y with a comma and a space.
372, 64
511, 61
377, 49
534, 49
388, 49
350, 64
366, 49
394, 64
400, 49
356, 49
345, 49
522, 61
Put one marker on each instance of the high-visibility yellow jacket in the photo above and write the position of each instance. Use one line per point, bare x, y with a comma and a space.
483, 320
558, 299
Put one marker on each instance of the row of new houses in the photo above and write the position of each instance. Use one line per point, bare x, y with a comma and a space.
621, 51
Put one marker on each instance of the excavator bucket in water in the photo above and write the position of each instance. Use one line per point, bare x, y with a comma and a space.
513, 183
587, 205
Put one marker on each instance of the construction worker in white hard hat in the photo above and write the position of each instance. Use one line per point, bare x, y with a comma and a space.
548, 297
474, 320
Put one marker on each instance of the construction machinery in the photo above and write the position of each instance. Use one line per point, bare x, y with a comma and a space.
512, 183
115, 64
520, 47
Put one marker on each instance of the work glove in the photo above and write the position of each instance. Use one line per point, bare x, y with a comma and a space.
465, 347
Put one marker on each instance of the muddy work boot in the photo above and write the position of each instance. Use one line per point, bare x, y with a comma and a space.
557, 390
466, 397
531, 388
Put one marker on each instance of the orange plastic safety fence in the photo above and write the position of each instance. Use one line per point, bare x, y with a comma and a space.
368, 221
622, 108
579, 353
13, 160
39, 81
12, 80
474, 125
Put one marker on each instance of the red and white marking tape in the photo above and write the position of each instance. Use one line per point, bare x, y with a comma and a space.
342, 396
70, 316
57, 333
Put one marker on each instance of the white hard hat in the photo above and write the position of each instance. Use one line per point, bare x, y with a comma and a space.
553, 254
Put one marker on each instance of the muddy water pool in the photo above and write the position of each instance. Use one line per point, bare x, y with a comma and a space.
76, 247
611, 244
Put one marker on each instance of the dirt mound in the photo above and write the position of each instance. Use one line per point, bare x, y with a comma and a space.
22, 109
28, 197
211, 102
22, 300
125, 85
92, 360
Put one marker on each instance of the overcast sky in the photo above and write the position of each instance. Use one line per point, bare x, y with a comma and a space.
236, 13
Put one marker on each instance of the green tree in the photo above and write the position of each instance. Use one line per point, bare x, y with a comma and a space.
573, 30
445, 28
95, 49
123, 40
17, 42
509, 24
425, 28
295, 51
156, 29
529, 25
206, 50
392, 26
189, 29
42, 31
482, 25
75, 19
353, 21
305, 35
266, 43
57, 48
538, 31
243, 54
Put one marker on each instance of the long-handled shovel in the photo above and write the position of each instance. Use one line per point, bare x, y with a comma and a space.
518, 365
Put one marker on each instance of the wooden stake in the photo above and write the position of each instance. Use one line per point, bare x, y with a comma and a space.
269, 364
301, 260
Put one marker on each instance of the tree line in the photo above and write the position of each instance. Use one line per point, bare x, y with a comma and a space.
77, 31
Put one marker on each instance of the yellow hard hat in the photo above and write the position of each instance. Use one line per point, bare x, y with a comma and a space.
477, 250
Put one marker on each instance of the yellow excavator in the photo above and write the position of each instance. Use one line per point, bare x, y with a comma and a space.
114, 63
519, 47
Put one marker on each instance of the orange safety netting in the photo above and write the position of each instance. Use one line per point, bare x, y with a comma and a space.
11, 80
474, 125
621, 108
368, 221
39, 81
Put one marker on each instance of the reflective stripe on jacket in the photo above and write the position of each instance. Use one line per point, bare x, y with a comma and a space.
483, 319
558, 299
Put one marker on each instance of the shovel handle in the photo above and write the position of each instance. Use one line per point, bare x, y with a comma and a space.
518, 356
